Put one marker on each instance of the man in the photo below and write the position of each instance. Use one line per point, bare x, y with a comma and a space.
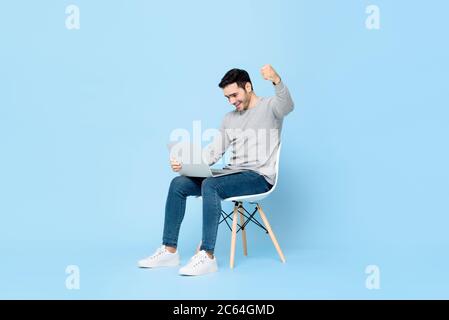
253, 132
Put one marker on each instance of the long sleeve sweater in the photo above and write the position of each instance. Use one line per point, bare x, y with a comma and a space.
253, 135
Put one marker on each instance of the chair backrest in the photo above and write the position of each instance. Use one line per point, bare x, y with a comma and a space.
278, 157
256, 197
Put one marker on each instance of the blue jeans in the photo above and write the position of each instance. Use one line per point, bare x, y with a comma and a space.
212, 190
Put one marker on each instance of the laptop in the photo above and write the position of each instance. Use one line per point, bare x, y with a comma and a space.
195, 168
204, 171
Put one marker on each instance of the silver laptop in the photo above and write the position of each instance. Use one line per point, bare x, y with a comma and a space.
204, 171
195, 168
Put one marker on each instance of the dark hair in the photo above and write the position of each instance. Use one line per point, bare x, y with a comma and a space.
239, 76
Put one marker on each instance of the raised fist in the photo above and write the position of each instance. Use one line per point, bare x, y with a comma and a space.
268, 73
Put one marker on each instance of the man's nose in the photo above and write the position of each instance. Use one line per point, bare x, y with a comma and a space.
232, 100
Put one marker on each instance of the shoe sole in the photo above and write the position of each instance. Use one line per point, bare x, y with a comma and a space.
159, 266
195, 274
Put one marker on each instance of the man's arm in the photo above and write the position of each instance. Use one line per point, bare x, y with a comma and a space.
215, 150
282, 103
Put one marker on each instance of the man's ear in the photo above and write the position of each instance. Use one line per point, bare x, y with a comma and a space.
248, 87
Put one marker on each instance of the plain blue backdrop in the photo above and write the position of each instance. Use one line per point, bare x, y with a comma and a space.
85, 116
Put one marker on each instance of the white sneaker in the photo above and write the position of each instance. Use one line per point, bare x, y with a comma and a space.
199, 264
161, 258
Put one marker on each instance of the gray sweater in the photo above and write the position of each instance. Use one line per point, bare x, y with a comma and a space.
253, 134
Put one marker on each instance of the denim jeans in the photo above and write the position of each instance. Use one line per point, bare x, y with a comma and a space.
212, 190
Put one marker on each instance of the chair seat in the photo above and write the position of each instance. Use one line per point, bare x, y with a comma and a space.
248, 198
251, 198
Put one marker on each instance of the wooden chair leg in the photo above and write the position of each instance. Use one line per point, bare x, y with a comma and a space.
234, 235
271, 233
242, 222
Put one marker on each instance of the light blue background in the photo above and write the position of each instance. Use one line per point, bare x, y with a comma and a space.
85, 116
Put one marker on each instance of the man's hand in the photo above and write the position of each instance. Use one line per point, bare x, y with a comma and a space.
268, 73
175, 165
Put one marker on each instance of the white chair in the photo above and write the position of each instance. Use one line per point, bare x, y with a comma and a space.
240, 209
